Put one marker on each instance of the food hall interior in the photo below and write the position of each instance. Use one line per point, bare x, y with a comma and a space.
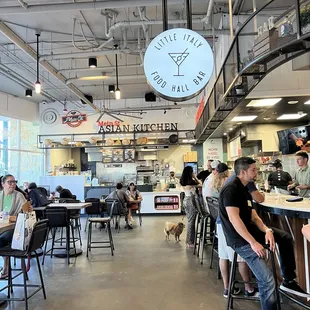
94, 120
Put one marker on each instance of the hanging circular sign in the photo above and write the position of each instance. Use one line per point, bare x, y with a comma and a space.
178, 64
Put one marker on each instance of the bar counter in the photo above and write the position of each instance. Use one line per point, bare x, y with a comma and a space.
290, 217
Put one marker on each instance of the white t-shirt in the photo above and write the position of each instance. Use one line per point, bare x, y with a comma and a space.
206, 187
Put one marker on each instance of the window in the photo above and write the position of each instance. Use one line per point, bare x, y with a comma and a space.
19, 154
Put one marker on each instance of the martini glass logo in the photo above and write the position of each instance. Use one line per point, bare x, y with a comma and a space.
178, 59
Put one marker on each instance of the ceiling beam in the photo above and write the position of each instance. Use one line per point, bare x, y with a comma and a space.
94, 5
12, 36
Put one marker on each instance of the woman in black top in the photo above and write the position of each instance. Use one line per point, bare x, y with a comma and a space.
191, 201
279, 178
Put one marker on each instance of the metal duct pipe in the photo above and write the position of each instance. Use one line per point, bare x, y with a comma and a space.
101, 69
207, 18
157, 108
94, 5
81, 54
107, 77
12, 36
128, 23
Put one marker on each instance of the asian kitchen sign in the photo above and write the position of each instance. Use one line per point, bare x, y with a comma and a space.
118, 127
178, 64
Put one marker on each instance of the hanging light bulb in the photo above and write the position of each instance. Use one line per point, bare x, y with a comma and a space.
37, 87
117, 94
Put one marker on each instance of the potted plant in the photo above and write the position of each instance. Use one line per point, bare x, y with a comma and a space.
305, 19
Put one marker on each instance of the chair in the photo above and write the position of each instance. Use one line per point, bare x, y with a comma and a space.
37, 239
138, 211
101, 220
94, 209
74, 215
214, 210
232, 282
59, 218
203, 236
117, 212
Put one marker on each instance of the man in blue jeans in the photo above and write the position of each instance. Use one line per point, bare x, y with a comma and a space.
246, 233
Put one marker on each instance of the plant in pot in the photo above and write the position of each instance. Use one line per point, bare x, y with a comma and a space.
305, 19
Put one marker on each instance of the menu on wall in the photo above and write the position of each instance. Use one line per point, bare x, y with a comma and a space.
107, 156
129, 155
118, 155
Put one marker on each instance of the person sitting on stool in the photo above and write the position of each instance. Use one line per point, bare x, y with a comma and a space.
63, 192
245, 232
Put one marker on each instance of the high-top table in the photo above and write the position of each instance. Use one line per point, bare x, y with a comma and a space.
290, 217
70, 207
6, 226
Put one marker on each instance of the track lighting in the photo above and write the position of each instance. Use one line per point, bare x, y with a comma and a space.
28, 93
111, 88
117, 91
165, 111
92, 62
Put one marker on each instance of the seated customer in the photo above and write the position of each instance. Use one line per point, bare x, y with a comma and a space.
279, 178
133, 194
246, 233
38, 199
63, 192
11, 201
226, 253
120, 195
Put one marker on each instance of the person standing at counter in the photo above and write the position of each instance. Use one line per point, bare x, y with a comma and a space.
190, 182
172, 181
245, 232
279, 178
63, 192
302, 176
133, 194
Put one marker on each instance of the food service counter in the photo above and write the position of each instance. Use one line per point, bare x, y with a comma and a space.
290, 217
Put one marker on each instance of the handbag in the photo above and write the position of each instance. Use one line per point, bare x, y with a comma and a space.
23, 230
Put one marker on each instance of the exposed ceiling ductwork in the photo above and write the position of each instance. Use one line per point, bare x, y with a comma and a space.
96, 5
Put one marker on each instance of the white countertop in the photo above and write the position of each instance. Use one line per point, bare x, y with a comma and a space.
279, 201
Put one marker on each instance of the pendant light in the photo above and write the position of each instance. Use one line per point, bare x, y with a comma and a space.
37, 85
28, 93
92, 62
117, 90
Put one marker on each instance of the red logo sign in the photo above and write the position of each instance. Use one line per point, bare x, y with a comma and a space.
74, 118
108, 123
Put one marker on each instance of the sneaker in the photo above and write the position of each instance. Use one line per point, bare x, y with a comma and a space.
236, 291
254, 293
129, 226
292, 287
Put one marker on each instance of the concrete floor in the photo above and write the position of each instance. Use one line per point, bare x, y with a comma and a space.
146, 272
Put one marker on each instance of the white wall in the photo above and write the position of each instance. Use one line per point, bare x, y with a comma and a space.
185, 117
18, 108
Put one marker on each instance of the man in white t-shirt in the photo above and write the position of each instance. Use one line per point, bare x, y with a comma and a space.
206, 186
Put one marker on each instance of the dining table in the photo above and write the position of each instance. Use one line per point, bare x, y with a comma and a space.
288, 214
70, 207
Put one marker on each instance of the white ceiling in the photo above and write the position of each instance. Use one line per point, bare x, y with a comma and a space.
18, 70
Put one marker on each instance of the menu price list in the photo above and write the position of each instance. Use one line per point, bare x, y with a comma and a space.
166, 202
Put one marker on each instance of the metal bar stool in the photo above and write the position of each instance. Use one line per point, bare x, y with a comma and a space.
232, 282
101, 220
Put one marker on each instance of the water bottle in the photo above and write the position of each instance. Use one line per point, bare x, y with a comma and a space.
5, 217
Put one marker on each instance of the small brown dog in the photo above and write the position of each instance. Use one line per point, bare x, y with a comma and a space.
174, 229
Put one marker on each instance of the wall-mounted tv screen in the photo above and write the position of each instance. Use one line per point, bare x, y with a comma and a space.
294, 139
192, 164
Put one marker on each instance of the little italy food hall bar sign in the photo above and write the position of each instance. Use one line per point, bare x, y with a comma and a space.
178, 64
118, 127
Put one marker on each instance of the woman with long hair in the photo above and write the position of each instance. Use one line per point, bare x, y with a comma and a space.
190, 182
133, 194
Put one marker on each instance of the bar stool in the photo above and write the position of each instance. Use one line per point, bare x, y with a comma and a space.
101, 220
232, 282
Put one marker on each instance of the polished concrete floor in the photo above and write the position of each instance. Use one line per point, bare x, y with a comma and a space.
146, 272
